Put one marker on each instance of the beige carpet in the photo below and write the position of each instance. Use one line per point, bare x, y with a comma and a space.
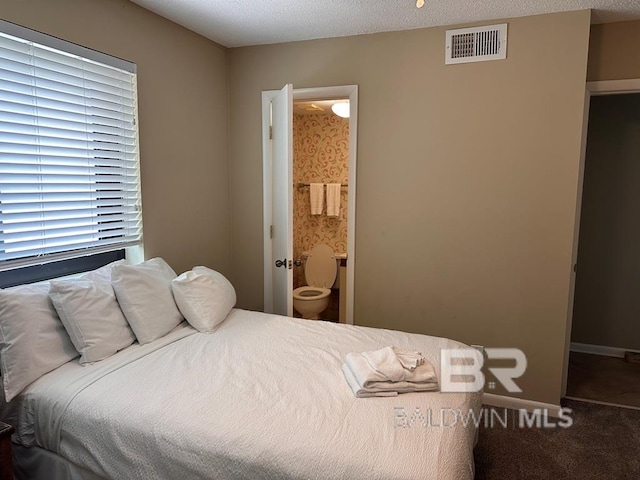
602, 444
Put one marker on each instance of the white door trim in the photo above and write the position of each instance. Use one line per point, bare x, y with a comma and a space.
267, 199
608, 87
604, 350
343, 91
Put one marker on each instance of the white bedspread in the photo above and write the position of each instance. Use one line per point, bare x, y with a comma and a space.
264, 397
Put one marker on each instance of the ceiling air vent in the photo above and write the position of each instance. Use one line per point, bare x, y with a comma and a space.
476, 44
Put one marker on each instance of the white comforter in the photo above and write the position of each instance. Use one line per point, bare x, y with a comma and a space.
264, 397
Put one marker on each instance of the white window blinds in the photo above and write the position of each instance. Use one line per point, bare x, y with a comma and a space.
69, 170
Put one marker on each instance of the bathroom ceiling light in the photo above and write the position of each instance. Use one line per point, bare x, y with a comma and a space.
341, 109
420, 3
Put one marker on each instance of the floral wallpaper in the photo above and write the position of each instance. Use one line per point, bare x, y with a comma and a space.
320, 155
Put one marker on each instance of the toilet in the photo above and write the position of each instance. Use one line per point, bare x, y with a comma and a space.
320, 273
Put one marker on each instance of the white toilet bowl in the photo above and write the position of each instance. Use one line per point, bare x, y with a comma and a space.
320, 272
311, 301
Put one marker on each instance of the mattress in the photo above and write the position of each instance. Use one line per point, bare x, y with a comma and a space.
262, 397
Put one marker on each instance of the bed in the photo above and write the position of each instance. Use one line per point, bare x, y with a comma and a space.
263, 397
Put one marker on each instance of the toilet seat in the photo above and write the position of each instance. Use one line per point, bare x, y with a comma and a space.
321, 268
311, 293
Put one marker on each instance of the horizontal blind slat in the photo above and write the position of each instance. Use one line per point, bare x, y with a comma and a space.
27, 94
9, 132
58, 117
28, 157
89, 90
67, 74
17, 141
10, 229
56, 188
24, 217
52, 206
27, 240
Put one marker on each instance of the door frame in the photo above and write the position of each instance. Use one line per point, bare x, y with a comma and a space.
316, 93
606, 87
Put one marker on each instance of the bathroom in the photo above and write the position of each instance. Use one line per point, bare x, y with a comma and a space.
321, 155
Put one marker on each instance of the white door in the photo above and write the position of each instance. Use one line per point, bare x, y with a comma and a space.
281, 231
277, 117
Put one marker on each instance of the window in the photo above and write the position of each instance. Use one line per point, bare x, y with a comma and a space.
69, 169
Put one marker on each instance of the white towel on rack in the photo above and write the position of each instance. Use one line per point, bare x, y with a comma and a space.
333, 199
316, 196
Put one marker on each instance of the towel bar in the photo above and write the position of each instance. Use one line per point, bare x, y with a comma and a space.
301, 185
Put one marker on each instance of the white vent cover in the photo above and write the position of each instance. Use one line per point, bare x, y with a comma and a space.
476, 44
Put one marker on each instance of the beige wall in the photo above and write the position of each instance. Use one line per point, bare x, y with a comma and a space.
467, 181
607, 304
613, 51
182, 88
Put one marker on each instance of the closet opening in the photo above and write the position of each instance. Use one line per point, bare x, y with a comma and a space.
604, 354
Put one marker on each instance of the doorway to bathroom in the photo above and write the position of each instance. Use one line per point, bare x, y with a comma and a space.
305, 142
603, 354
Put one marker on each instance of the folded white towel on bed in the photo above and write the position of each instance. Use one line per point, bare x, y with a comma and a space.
362, 392
397, 364
384, 389
316, 198
409, 359
383, 372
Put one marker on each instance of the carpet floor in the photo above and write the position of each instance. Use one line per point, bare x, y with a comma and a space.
602, 444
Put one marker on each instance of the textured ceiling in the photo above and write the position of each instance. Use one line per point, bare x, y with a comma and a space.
235, 23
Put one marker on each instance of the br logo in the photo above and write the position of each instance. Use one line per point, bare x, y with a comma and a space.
461, 369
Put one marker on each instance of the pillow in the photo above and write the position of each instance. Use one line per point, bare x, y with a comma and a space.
103, 274
204, 296
145, 297
92, 317
32, 339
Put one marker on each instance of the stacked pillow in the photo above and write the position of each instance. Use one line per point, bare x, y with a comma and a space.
33, 341
91, 316
44, 326
205, 297
144, 295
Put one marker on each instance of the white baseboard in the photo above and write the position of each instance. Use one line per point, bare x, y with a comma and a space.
503, 401
600, 350
598, 402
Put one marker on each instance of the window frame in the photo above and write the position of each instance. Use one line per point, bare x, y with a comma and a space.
85, 260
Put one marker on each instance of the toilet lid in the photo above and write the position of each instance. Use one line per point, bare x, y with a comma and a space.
321, 267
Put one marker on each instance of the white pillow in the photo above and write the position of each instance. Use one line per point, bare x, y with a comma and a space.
204, 296
33, 341
103, 274
92, 317
145, 297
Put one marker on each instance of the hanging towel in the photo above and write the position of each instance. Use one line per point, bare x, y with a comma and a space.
333, 199
316, 196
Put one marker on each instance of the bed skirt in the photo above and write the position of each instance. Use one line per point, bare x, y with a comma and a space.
35, 463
